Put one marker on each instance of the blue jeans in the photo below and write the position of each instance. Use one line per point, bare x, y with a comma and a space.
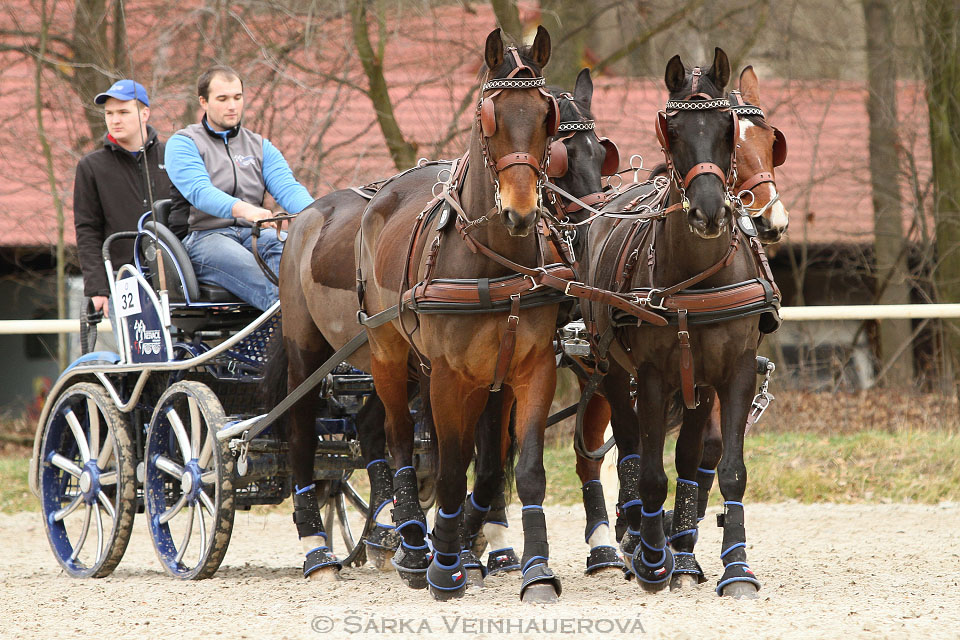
223, 257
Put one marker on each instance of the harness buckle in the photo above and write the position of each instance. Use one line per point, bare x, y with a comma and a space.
566, 290
654, 305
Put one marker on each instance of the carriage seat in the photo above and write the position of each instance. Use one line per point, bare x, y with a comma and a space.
183, 288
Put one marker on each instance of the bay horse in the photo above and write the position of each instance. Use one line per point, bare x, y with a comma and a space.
496, 205
579, 158
695, 241
759, 150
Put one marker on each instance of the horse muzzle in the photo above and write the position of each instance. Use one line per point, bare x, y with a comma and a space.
518, 224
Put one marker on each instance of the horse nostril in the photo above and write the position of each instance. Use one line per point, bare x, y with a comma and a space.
697, 217
511, 217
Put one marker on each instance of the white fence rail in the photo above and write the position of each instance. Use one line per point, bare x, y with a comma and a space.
791, 314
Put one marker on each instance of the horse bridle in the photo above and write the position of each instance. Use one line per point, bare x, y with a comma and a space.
486, 117
558, 151
697, 101
742, 108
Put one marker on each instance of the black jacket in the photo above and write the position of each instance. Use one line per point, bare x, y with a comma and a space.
110, 195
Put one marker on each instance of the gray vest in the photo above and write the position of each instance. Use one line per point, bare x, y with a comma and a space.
235, 168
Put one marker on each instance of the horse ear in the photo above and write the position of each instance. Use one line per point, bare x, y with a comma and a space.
493, 53
675, 75
583, 90
540, 49
750, 86
720, 71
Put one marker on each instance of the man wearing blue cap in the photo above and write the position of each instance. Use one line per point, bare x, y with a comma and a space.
110, 192
221, 172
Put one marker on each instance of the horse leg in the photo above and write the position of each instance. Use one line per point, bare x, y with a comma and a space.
494, 482
682, 526
712, 450
652, 561
320, 563
489, 479
603, 557
382, 540
534, 386
388, 363
457, 405
735, 395
626, 432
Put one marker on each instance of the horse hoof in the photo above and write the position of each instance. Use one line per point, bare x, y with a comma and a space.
740, 591
380, 558
443, 596
542, 593
683, 582
479, 544
411, 565
606, 572
326, 575
475, 578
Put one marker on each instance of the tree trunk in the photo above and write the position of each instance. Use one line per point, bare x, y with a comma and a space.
508, 17
403, 153
52, 179
890, 275
941, 24
564, 19
92, 49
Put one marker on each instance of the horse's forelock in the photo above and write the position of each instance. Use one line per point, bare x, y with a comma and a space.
568, 113
705, 85
508, 64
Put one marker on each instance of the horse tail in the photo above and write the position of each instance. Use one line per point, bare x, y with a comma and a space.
674, 416
273, 386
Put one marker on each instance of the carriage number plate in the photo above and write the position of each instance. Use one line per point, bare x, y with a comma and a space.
128, 297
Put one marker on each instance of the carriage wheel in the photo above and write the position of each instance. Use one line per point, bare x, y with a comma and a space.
345, 519
188, 483
87, 481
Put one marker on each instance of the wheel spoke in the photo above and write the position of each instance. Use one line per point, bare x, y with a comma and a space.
207, 452
345, 530
83, 534
107, 505
108, 478
187, 534
203, 532
93, 415
180, 432
195, 426
77, 434
60, 514
100, 539
328, 521
169, 467
106, 453
66, 464
167, 515
208, 477
207, 502
353, 496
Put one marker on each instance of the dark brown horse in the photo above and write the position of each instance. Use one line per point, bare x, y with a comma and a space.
500, 207
760, 149
696, 244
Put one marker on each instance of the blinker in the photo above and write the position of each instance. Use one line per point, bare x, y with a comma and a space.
746, 226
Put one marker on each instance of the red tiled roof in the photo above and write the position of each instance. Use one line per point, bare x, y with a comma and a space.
825, 182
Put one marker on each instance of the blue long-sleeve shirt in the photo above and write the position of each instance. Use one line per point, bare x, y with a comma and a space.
189, 175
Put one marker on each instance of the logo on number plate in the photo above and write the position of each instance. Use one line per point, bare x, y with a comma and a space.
144, 341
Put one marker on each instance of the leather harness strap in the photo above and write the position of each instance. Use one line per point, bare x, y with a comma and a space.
508, 344
687, 375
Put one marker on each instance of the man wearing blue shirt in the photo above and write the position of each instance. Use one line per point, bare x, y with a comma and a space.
220, 173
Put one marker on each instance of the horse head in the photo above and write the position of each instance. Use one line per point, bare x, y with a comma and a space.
760, 149
698, 136
579, 157
516, 119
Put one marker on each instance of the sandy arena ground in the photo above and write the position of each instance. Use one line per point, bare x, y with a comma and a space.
829, 571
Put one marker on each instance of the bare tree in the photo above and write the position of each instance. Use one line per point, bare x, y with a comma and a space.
891, 278
941, 28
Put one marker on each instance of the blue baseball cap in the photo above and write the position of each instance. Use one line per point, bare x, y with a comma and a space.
124, 90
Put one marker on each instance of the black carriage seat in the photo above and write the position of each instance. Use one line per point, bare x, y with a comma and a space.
181, 278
